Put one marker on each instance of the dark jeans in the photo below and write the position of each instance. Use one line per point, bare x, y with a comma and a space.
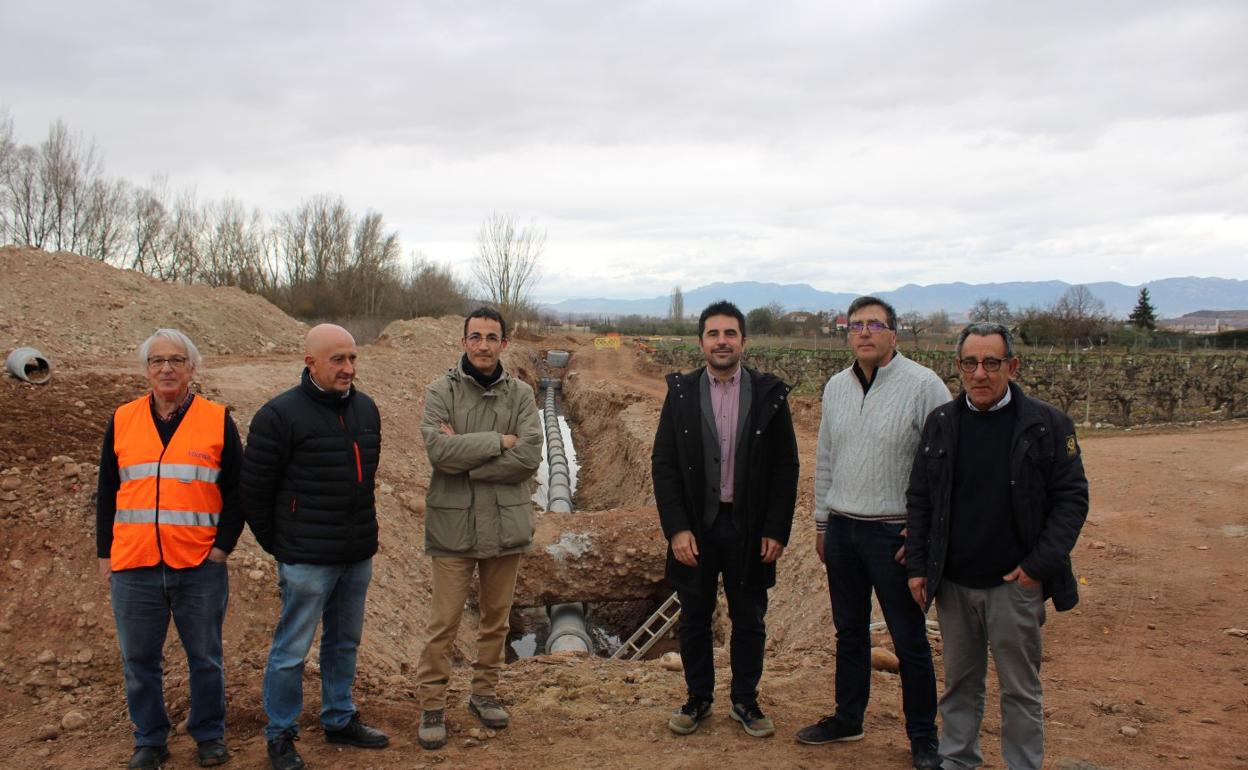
859, 557
143, 601
721, 551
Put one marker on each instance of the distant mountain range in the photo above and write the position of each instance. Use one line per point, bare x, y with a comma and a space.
1170, 296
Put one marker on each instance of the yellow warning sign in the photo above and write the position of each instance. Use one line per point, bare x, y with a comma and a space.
610, 341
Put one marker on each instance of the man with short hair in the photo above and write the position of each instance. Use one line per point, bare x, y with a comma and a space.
484, 440
308, 477
873, 414
725, 471
996, 501
167, 517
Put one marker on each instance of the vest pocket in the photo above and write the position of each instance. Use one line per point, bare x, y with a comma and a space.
449, 522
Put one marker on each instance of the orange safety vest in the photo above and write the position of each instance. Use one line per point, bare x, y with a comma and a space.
168, 504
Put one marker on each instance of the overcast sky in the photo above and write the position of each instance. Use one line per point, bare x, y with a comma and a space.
852, 146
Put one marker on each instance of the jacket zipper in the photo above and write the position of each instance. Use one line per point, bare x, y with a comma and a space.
355, 446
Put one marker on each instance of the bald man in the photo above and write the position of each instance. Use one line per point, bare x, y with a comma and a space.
307, 484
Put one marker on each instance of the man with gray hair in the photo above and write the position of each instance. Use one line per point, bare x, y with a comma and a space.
872, 415
167, 516
996, 501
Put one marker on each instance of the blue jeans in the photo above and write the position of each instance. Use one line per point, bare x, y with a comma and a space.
333, 595
143, 601
859, 557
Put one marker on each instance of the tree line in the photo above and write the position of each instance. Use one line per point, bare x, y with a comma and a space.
319, 259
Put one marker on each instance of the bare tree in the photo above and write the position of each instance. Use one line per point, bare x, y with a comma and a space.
102, 222
68, 168
28, 220
507, 261
914, 322
938, 321
990, 310
676, 307
150, 220
375, 256
431, 290
8, 150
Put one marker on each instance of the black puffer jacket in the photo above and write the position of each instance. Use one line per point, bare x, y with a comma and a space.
769, 490
308, 472
1048, 495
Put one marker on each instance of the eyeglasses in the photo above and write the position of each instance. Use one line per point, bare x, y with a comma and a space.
475, 339
158, 363
875, 326
969, 365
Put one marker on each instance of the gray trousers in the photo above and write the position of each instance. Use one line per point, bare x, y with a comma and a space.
1007, 620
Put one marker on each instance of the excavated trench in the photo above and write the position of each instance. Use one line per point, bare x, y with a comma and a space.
606, 468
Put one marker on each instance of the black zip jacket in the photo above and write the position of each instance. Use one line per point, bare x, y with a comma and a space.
1048, 495
308, 475
765, 494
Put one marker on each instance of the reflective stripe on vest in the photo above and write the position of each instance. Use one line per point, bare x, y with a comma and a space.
168, 504
171, 471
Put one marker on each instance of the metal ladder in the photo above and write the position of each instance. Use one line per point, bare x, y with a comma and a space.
663, 619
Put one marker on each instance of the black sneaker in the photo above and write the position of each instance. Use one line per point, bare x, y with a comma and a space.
686, 719
926, 759
356, 733
148, 758
829, 730
212, 752
282, 754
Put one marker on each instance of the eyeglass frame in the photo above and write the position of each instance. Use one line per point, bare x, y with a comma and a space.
874, 325
991, 364
476, 338
177, 363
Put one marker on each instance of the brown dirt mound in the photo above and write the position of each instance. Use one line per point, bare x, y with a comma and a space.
67, 305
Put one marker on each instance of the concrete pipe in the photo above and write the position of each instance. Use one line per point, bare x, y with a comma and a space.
558, 358
29, 365
567, 629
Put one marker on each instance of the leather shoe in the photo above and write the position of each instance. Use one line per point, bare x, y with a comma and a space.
282, 753
356, 733
212, 752
148, 758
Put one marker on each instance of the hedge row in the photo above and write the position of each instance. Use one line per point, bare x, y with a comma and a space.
1114, 389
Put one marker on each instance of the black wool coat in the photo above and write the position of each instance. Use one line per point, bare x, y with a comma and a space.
308, 476
764, 495
1048, 495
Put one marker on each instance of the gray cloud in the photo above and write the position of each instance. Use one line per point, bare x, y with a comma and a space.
669, 143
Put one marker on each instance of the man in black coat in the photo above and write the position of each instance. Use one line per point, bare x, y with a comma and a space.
725, 482
996, 500
307, 483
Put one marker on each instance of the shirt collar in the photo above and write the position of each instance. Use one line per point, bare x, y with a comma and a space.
733, 380
1005, 400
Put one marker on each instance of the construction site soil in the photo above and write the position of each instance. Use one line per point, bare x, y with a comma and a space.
1149, 671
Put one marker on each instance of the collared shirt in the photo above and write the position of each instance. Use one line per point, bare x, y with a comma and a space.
725, 403
1005, 400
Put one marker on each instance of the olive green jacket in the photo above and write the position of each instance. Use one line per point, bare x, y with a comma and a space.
479, 502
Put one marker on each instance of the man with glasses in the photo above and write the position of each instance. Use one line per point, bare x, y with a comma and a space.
308, 479
873, 414
484, 440
167, 516
996, 501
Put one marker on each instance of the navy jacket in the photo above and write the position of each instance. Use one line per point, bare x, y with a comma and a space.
764, 494
1048, 495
